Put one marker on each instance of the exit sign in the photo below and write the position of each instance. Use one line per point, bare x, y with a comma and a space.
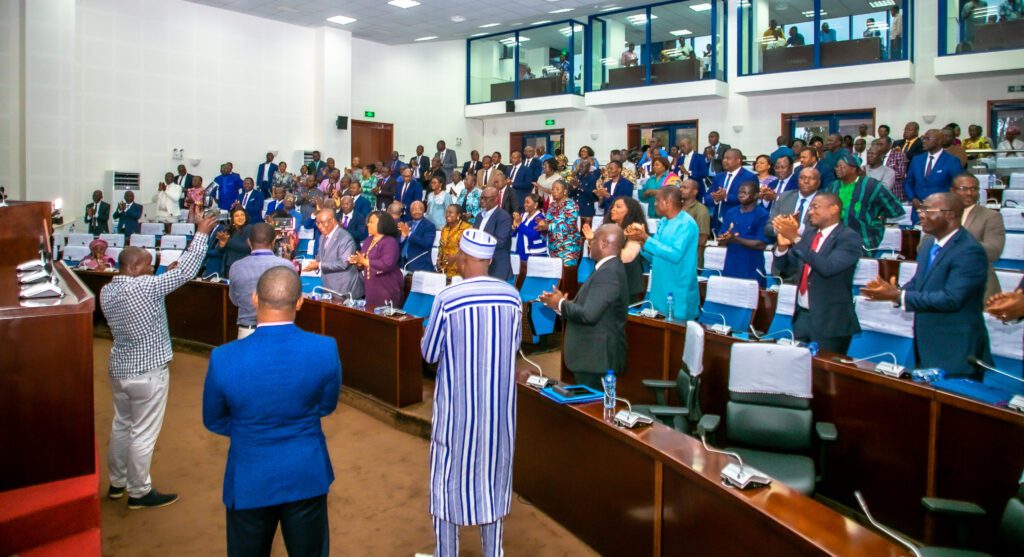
1016, 88
369, 113
549, 122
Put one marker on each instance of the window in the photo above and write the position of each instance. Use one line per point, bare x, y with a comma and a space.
786, 35
822, 124
669, 134
658, 44
533, 62
980, 26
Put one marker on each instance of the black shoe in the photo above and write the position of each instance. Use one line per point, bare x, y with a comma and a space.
115, 492
152, 500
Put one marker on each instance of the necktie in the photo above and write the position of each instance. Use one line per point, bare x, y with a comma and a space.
932, 254
728, 180
928, 169
487, 174
405, 186
807, 268
344, 222
800, 209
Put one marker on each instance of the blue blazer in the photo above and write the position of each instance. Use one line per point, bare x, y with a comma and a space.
624, 188
524, 178
584, 193
698, 170
254, 207
499, 226
270, 407
413, 193
731, 200
361, 205
947, 299
940, 179
356, 226
419, 241
265, 186
792, 183
128, 221
536, 167
273, 206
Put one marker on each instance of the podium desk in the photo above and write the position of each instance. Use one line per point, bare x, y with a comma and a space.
380, 356
654, 491
898, 440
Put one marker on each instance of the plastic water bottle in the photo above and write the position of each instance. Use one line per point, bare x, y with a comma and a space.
991, 181
609, 390
812, 347
928, 375
670, 303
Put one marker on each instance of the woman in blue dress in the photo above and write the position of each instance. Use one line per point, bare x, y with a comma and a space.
583, 183
742, 232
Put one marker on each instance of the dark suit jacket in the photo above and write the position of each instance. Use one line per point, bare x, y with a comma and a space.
731, 199
781, 187
128, 221
830, 282
414, 192
940, 179
100, 222
254, 207
499, 226
536, 167
623, 188
356, 225
916, 148
471, 165
595, 322
420, 243
947, 299
698, 170
185, 182
722, 148
523, 179
278, 451
264, 186
786, 204
509, 201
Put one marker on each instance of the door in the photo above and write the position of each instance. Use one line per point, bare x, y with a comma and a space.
551, 140
371, 141
1001, 115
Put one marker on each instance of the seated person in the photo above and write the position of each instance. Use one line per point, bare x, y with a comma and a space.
742, 232
98, 260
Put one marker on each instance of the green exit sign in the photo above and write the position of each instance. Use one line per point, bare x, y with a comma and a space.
549, 122
369, 113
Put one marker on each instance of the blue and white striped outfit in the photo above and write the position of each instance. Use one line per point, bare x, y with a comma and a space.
474, 334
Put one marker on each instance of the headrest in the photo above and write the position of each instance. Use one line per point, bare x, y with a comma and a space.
168, 256
770, 369
867, 271
693, 348
883, 317
428, 283
787, 300
544, 267
714, 258
1006, 339
892, 239
907, 271
732, 292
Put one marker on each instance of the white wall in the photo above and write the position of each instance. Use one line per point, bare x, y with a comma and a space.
10, 97
420, 88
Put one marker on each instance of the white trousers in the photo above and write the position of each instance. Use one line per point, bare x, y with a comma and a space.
244, 332
446, 538
139, 404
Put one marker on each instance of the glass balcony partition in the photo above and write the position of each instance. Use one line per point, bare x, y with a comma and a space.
786, 35
533, 62
980, 26
662, 43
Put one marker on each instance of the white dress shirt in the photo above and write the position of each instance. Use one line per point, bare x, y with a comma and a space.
941, 242
486, 216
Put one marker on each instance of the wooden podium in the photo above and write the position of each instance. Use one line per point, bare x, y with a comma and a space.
48, 478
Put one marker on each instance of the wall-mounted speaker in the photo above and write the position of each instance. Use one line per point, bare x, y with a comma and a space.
341, 122
510, 106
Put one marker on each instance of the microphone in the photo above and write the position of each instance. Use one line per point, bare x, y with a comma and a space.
864, 508
648, 312
388, 310
739, 476
629, 419
774, 287
405, 268
892, 369
538, 381
722, 328
212, 277
349, 300
1016, 401
791, 341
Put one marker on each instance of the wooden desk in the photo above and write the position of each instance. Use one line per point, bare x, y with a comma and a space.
898, 440
380, 356
998, 36
854, 51
788, 59
662, 72
655, 491
528, 88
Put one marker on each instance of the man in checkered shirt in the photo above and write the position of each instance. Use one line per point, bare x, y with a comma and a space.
133, 304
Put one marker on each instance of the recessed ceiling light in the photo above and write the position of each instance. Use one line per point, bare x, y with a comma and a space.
404, 4
610, 8
541, 22
568, 30
639, 19
882, 4
810, 13
458, 18
561, 11
701, 7
341, 19
681, 32
486, 25
430, 38
478, 34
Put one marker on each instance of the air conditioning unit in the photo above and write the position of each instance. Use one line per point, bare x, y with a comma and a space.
120, 182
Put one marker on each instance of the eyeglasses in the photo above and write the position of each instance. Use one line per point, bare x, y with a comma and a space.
966, 188
933, 211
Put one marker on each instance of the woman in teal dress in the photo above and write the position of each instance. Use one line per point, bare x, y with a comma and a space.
368, 181
561, 222
660, 177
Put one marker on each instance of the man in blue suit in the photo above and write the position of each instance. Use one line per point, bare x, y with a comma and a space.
128, 214
946, 293
417, 239
278, 468
724, 191
690, 164
265, 175
251, 201
521, 179
495, 221
229, 187
533, 162
352, 220
784, 181
615, 186
931, 172
407, 191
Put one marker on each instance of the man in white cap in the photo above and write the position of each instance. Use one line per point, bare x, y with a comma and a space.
473, 334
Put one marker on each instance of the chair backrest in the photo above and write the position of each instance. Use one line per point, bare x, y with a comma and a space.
1016, 196
173, 241
714, 258
1013, 252
693, 349
437, 238
1016, 180
1011, 526
1007, 342
81, 239
75, 253
730, 299
154, 228
907, 271
1008, 280
652, 225
542, 273
905, 219
1012, 219
168, 256
114, 253
883, 329
585, 269
433, 256
769, 397
142, 240
183, 229
113, 240
425, 287
892, 239
784, 309
867, 271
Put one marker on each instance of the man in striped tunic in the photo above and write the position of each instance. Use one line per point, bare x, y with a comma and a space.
474, 334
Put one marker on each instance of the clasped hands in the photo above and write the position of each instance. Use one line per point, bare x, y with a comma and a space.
359, 259
1006, 306
636, 233
552, 299
787, 229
